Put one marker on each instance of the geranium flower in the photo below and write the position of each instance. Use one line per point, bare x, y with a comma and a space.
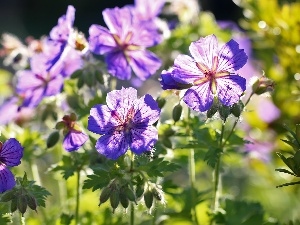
124, 44
11, 153
74, 138
124, 123
211, 72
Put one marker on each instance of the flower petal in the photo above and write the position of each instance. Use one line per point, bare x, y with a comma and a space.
121, 99
74, 140
101, 40
100, 120
231, 57
11, 152
199, 98
204, 50
7, 180
168, 82
230, 89
144, 63
146, 111
117, 65
143, 139
112, 146
118, 20
186, 70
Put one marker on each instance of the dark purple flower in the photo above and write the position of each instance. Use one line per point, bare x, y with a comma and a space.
74, 137
11, 153
211, 72
124, 123
124, 44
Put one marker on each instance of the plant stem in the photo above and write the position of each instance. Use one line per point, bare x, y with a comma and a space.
192, 176
77, 198
192, 185
216, 175
131, 219
22, 219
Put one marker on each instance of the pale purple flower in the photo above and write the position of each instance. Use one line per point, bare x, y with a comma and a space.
11, 153
35, 86
124, 123
124, 43
64, 26
212, 72
148, 10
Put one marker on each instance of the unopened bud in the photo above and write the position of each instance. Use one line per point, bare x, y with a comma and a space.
237, 108
148, 198
105, 194
22, 204
123, 199
213, 109
176, 114
130, 194
224, 112
263, 85
52, 139
139, 190
161, 102
114, 199
31, 201
13, 205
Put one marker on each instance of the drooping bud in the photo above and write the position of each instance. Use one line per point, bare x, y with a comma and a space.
161, 102
13, 205
123, 199
7, 196
148, 198
31, 201
52, 139
130, 194
224, 111
237, 108
177, 111
263, 85
213, 109
114, 199
22, 204
105, 194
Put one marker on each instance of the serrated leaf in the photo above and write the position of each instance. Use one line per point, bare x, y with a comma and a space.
212, 156
96, 181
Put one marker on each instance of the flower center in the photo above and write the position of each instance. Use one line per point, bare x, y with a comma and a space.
124, 124
210, 74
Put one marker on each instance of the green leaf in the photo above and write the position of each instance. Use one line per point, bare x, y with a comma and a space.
212, 156
98, 180
285, 171
243, 213
66, 219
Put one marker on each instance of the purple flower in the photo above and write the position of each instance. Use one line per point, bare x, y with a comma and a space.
35, 86
211, 72
74, 137
124, 44
148, 10
64, 26
11, 153
124, 123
